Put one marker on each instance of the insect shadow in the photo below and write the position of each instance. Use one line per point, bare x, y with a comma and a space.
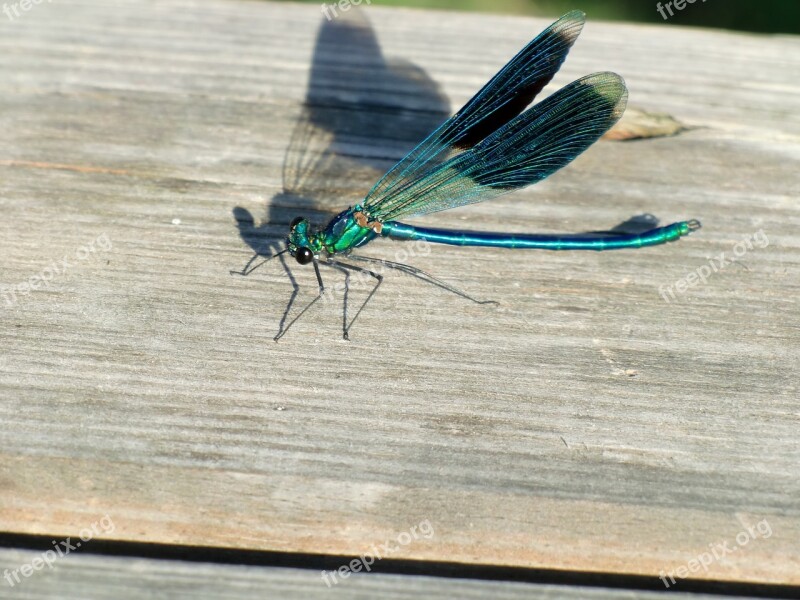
357, 104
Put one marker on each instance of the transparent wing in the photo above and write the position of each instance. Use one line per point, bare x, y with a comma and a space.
502, 99
529, 148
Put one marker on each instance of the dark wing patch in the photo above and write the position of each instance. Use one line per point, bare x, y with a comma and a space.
531, 147
502, 99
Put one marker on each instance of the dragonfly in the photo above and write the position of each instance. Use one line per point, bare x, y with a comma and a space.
495, 144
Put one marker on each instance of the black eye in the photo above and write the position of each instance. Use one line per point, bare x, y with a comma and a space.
303, 256
295, 222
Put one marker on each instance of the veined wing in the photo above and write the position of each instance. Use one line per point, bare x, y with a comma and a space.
532, 146
505, 96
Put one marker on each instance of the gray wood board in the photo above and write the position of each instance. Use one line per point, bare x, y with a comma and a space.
584, 423
87, 576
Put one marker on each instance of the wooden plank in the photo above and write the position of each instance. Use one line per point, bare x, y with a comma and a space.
586, 423
87, 576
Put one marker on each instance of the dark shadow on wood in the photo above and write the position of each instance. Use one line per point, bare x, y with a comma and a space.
330, 563
356, 99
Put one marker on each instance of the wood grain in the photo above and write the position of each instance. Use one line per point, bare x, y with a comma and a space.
585, 423
87, 576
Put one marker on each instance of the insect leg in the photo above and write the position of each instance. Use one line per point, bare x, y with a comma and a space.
247, 269
282, 332
422, 275
376, 276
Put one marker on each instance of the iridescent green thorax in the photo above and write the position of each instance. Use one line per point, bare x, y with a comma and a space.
300, 236
343, 233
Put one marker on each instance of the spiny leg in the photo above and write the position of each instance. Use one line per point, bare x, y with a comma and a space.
247, 270
422, 275
339, 267
293, 297
378, 278
309, 305
295, 287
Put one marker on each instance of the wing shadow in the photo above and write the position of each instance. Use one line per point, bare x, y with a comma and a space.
358, 104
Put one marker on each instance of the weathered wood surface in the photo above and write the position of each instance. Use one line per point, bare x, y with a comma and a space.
585, 423
86, 577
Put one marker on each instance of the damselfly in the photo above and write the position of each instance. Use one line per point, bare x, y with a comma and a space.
495, 144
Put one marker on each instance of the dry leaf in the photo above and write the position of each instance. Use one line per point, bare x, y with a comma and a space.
638, 124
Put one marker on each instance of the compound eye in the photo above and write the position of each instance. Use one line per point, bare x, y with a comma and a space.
295, 222
303, 256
